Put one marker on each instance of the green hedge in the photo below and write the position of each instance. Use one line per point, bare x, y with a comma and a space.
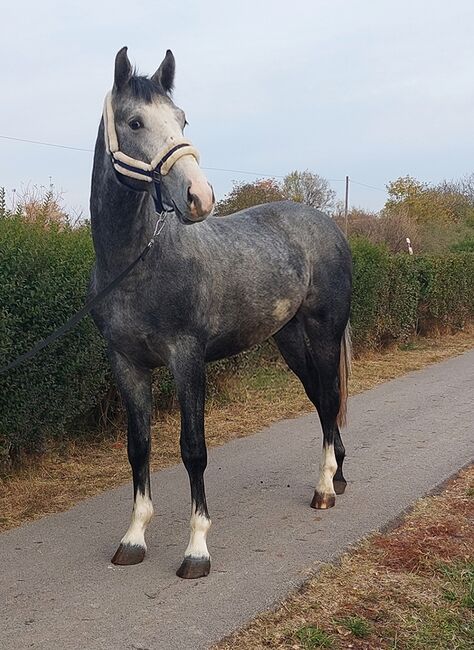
446, 291
43, 280
396, 296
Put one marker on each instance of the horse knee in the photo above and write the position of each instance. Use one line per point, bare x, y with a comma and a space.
194, 459
138, 449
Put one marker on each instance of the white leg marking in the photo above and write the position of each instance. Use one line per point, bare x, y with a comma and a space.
197, 547
327, 469
141, 515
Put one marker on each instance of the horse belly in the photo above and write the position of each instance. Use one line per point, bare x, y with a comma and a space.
250, 327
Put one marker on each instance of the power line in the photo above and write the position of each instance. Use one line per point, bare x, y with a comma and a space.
45, 144
213, 169
372, 187
240, 171
64, 146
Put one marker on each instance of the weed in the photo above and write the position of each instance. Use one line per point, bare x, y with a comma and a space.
460, 587
449, 595
313, 637
440, 629
408, 347
358, 626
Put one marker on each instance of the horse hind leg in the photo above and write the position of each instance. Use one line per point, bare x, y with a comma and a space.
339, 481
293, 344
330, 353
317, 366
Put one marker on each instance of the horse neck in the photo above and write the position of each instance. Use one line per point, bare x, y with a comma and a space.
122, 219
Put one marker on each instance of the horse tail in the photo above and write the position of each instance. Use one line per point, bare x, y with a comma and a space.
345, 360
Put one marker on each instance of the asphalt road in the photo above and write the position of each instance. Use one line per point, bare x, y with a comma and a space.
58, 589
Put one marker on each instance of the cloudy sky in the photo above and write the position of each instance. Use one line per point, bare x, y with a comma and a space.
374, 90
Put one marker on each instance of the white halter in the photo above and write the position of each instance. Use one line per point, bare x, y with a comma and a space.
161, 163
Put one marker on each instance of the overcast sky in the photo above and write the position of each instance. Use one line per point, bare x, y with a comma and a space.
374, 90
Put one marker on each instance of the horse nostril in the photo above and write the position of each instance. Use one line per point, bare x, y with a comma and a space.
191, 196
198, 202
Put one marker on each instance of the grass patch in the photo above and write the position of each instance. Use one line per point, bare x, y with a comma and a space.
460, 583
410, 346
439, 630
313, 637
357, 626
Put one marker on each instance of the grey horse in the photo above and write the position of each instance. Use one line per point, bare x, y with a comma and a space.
209, 288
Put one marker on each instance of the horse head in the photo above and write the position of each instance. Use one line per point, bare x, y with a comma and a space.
144, 135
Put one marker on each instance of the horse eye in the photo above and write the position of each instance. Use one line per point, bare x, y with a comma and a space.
135, 125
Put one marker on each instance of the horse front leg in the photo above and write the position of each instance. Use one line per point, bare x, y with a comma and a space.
135, 386
189, 374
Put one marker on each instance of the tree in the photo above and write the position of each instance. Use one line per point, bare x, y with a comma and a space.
466, 186
404, 190
311, 189
3, 203
245, 195
388, 229
444, 203
302, 187
41, 205
441, 214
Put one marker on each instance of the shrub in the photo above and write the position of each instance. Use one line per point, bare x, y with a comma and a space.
446, 291
395, 296
43, 281
398, 314
466, 245
369, 290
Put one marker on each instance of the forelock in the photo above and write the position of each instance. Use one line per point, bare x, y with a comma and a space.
143, 88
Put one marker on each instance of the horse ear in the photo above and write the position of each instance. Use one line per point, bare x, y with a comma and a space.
164, 76
123, 69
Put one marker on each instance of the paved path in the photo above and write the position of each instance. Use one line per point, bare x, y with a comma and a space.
59, 591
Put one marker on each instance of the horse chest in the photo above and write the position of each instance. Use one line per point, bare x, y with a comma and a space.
134, 330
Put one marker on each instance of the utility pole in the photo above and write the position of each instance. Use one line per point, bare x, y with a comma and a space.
346, 202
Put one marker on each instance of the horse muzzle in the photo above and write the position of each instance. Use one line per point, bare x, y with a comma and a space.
200, 200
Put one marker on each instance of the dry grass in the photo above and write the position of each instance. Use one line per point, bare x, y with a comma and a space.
247, 402
408, 589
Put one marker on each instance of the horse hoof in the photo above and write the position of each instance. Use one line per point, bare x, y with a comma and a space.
128, 554
323, 501
192, 568
339, 486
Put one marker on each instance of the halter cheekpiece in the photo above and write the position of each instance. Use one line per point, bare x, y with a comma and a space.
149, 172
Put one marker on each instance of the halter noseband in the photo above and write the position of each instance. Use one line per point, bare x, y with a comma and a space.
149, 172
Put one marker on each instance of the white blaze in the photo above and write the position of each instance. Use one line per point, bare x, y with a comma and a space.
141, 515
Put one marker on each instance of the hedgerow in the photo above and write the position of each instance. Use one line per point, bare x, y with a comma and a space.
396, 296
44, 273
43, 280
446, 291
